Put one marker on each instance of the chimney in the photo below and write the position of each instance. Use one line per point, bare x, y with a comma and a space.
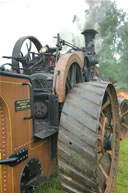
89, 36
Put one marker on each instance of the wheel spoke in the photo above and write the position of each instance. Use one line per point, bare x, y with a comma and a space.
103, 171
71, 78
126, 126
99, 149
100, 155
100, 126
73, 75
68, 84
123, 114
99, 137
25, 53
110, 153
21, 53
106, 104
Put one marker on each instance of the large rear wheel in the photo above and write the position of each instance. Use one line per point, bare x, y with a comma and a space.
88, 140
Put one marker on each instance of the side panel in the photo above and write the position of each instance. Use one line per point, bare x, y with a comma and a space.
16, 134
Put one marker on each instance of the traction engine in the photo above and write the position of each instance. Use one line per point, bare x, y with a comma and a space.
54, 114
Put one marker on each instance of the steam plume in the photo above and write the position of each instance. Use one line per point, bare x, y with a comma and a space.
92, 16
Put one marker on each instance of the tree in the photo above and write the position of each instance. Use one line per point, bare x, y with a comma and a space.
112, 25
110, 30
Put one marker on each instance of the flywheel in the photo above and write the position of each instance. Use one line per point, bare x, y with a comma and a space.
89, 139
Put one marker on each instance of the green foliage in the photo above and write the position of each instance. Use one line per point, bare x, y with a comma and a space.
113, 55
112, 25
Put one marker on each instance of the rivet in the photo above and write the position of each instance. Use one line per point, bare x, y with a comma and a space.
4, 189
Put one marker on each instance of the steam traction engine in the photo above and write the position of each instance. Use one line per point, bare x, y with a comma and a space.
49, 103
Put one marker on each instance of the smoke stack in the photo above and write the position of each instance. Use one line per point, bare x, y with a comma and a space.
89, 36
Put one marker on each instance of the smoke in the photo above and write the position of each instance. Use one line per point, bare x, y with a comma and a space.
92, 16
95, 13
93, 2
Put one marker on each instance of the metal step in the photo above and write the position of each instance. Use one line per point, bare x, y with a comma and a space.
43, 129
38, 181
45, 133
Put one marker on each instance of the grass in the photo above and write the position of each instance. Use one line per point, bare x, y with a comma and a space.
122, 178
53, 184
